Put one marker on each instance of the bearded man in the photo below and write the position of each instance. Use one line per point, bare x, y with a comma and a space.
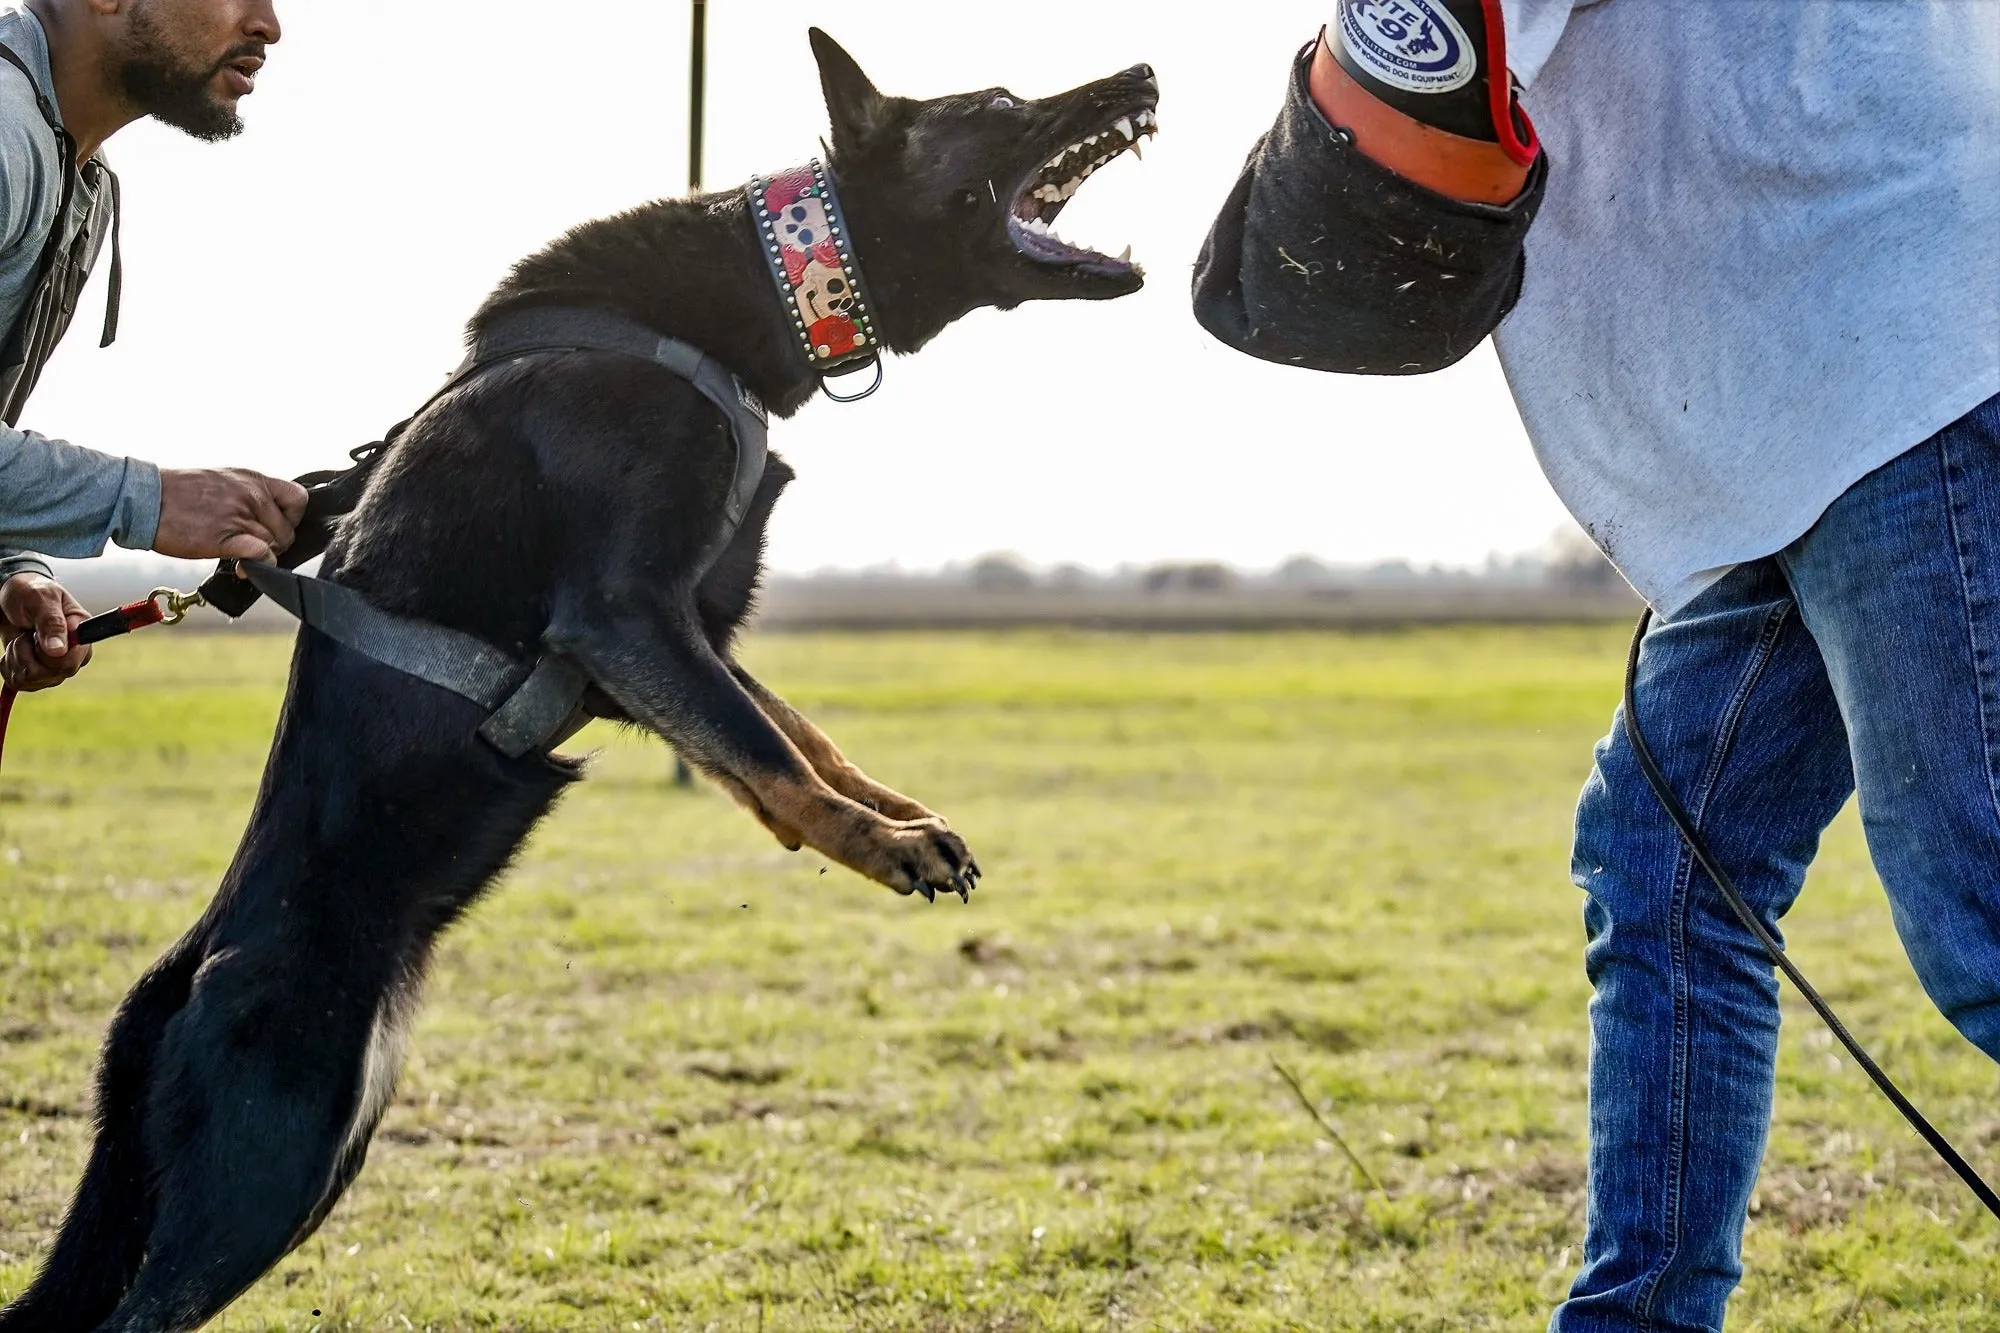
72, 74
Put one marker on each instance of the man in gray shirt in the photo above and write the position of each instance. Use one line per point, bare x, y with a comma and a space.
73, 73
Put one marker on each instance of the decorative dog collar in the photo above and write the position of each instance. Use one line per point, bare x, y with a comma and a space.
810, 254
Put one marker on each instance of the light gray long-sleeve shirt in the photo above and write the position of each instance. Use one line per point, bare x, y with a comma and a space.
1768, 263
54, 496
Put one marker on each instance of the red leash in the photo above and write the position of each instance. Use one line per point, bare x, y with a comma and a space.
163, 606
7, 696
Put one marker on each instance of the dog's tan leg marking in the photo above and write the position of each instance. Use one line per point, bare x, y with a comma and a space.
787, 837
906, 855
801, 808
835, 768
675, 684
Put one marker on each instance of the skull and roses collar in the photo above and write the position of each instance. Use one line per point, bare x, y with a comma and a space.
810, 255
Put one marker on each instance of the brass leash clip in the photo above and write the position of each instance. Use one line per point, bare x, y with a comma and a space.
174, 605
162, 606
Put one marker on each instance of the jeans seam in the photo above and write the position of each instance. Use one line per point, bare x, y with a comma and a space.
1976, 648
1718, 755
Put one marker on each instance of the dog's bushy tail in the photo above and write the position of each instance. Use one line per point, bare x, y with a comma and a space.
103, 1238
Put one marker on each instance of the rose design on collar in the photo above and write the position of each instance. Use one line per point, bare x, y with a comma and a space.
812, 261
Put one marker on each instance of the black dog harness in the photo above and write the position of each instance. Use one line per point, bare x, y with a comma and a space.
531, 706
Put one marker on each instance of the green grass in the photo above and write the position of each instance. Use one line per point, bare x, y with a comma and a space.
670, 1076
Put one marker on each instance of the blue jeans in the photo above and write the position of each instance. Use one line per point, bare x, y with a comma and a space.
1866, 654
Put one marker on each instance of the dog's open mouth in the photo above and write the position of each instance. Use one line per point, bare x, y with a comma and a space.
1045, 194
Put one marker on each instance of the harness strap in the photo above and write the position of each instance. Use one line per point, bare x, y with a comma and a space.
114, 294
42, 102
535, 332
39, 327
544, 712
529, 707
509, 338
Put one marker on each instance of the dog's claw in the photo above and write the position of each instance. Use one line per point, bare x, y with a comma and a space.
930, 894
964, 887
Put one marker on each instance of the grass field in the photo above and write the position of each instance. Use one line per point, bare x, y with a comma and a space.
671, 1077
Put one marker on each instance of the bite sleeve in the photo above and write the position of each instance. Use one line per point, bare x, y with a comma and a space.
1322, 258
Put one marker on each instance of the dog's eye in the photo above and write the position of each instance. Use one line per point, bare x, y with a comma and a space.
1003, 102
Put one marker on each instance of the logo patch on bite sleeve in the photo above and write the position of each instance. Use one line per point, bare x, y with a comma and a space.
1415, 45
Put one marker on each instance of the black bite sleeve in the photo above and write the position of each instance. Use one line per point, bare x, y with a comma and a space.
1323, 258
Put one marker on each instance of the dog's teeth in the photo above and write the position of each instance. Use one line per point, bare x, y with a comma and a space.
1126, 258
1071, 186
1124, 127
1139, 149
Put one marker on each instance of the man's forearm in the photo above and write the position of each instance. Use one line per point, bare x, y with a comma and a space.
72, 502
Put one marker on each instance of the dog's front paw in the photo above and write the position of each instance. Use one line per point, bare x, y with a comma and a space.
923, 856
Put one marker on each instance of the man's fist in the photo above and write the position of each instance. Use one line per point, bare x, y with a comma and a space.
226, 514
36, 619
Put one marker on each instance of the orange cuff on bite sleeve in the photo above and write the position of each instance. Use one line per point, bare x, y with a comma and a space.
1449, 164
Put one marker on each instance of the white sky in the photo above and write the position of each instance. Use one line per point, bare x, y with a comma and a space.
295, 292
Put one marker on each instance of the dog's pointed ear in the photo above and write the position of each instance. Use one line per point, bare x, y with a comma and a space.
855, 104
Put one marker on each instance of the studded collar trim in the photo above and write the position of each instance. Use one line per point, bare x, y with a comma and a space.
810, 254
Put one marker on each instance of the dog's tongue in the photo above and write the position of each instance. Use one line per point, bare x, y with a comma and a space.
1030, 209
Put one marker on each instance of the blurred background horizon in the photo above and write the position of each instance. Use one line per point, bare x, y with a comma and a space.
293, 293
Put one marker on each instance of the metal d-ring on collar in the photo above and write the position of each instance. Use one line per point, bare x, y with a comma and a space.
826, 387
809, 253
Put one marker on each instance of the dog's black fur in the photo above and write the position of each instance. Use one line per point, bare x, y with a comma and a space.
564, 501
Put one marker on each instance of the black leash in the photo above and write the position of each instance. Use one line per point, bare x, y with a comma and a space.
1706, 858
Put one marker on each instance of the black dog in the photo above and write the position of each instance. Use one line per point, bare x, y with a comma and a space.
565, 501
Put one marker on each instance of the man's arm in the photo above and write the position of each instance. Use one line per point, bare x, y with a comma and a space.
67, 501
195, 514
1379, 228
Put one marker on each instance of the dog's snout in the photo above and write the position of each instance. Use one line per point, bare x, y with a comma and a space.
1144, 73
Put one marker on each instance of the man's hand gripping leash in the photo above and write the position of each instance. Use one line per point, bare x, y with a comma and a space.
162, 606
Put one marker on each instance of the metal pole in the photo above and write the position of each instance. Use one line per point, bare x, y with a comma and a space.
698, 98
698, 92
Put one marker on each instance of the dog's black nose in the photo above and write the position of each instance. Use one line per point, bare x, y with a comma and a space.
1143, 72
